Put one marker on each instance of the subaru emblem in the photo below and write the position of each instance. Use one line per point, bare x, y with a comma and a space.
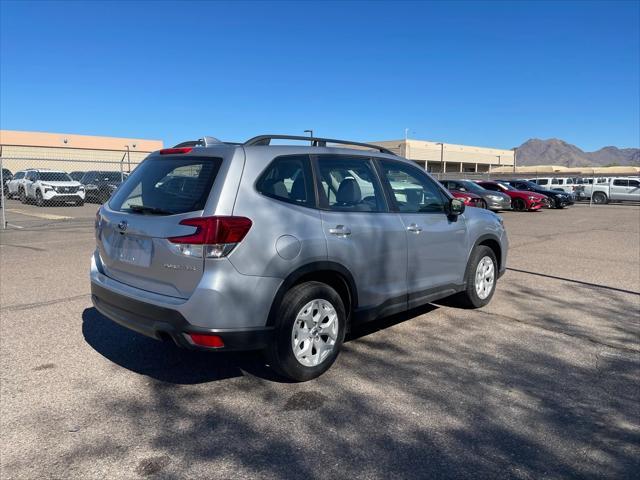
123, 225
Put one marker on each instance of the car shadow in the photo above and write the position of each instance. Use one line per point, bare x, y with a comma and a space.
364, 329
165, 361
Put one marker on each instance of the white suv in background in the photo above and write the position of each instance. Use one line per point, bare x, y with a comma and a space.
51, 186
14, 185
557, 183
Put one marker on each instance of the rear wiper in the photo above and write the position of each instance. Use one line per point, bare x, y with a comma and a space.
147, 209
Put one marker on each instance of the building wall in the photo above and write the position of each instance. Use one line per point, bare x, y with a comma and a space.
457, 158
69, 152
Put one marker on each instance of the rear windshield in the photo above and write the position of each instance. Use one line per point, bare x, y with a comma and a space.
167, 186
54, 177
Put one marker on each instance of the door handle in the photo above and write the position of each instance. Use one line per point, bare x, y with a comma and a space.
414, 228
340, 231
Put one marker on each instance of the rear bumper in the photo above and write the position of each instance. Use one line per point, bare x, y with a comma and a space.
240, 320
162, 323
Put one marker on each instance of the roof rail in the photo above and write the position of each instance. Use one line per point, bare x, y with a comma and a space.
201, 142
315, 142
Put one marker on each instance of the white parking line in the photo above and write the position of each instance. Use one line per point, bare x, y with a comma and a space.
46, 216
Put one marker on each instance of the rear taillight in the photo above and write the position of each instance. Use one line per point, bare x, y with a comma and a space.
175, 151
205, 340
214, 237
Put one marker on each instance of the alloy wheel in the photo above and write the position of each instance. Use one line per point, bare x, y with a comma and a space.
315, 332
485, 277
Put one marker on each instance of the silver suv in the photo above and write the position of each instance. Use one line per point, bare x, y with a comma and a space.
222, 246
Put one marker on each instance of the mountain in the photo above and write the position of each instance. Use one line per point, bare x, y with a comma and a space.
559, 152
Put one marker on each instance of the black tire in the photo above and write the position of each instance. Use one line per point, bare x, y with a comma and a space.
280, 353
600, 198
103, 198
482, 204
79, 203
469, 298
22, 195
518, 205
39, 199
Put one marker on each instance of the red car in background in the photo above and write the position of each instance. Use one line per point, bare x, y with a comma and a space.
469, 199
520, 200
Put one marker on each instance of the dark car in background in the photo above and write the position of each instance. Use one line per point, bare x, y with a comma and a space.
7, 176
559, 198
495, 201
99, 185
77, 175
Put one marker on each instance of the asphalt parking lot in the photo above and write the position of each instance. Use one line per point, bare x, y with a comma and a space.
542, 383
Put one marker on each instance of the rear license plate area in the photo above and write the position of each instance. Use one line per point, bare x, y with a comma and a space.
131, 250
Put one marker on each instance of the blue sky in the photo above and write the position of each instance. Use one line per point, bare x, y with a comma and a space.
491, 74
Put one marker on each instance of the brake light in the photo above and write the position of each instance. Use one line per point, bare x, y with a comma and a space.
175, 151
205, 340
214, 237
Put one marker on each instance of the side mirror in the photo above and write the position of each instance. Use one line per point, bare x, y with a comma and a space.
456, 207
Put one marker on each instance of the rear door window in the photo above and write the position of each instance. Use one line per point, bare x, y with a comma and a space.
288, 179
542, 181
349, 184
168, 186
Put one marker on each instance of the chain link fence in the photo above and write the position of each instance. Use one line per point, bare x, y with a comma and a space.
64, 184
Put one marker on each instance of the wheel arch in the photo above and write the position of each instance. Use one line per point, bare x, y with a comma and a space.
493, 243
330, 273
601, 193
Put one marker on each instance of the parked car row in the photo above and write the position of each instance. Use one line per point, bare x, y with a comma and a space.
44, 186
605, 189
496, 195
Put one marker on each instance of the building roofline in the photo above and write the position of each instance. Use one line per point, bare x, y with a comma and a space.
75, 141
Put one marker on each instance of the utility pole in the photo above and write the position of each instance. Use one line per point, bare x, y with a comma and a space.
441, 156
515, 154
2, 199
310, 132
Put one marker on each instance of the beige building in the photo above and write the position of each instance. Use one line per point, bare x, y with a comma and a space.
70, 152
453, 158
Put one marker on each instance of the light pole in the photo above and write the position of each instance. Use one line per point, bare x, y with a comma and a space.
499, 160
441, 157
515, 155
310, 132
